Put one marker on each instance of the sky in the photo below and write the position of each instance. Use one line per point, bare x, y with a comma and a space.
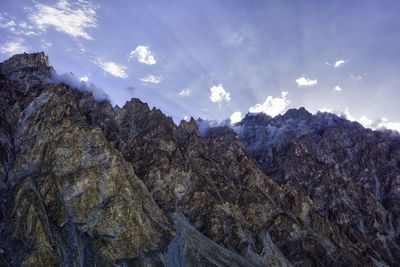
219, 59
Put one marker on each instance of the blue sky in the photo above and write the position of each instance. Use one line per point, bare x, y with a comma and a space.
214, 59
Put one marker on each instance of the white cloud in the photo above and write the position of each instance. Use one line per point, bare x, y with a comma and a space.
7, 22
13, 47
356, 77
143, 55
184, 92
84, 78
328, 110
339, 62
218, 94
379, 124
376, 124
113, 68
186, 118
364, 121
151, 79
303, 81
74, 19
236, 117
45, 45
25, 26
392, 126
272, 105
337, 88
346, 114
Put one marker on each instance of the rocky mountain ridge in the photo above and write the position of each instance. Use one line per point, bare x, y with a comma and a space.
86, 184
351, 173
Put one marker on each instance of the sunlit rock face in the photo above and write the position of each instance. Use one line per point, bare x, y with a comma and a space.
352, 174
87, 184
28, 69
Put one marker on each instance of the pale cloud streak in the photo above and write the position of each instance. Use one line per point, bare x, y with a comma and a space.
184, 92
218, 94
151, 79
13, 47
337, 88
303, 81
113, 68
73, 19
8, 22
272, 106
143, 55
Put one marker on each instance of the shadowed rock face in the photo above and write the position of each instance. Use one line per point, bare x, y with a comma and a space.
351, 173
86, 184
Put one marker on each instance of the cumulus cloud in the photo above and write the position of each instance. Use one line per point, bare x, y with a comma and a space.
113, 68
151, 79
236, 117
339, 62
184, 92
143, 55
303, 81
337, 88
74, 19
272, 105
218, 94
13, 47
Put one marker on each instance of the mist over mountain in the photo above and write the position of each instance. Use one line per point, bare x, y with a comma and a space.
83, 183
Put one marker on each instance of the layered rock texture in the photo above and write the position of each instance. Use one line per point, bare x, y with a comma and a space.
352, 174
83, 183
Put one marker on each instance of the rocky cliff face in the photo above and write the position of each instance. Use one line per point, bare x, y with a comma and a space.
352, 174
87, 184
69, 197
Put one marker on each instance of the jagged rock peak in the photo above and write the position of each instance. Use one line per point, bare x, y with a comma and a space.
189, 127
294, 113
30, 69
259, 118
25, 60
136, 104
